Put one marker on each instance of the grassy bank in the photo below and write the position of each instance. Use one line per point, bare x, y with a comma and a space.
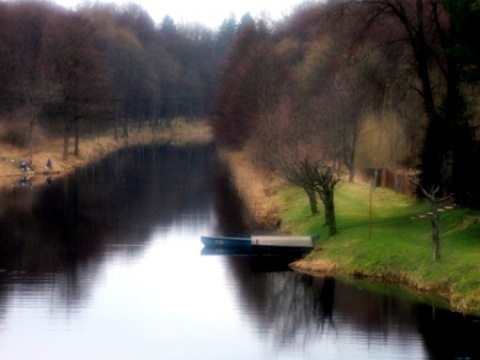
392, 245
395, 245
92, 148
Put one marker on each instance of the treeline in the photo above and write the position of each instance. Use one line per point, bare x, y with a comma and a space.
353, 85
101, 65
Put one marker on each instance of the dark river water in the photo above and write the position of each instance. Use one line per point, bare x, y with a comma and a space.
108, 264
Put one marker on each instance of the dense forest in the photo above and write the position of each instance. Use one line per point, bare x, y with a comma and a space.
99, 66
337, 88
342, 86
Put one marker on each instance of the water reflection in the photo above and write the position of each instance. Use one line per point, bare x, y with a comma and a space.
318, 316
66, 226
108, 263
449, 335
327, 296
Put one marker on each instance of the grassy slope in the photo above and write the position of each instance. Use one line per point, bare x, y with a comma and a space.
399, 249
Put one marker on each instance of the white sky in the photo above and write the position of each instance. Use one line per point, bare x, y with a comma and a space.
207, 12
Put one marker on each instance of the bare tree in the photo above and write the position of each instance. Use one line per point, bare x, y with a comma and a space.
321, 179
70, 53
339, 113
431, 195
274, 145
36, 96
31, 89
294, 148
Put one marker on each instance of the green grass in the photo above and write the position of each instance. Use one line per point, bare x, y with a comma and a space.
387, 238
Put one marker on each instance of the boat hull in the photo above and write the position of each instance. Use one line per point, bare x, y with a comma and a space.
263, 244
226, 242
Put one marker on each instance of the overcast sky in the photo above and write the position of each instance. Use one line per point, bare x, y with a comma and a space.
207, 12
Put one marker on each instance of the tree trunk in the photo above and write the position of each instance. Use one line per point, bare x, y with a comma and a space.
116, 123
76, 132
66, 138
330, 215
435, 231
313, 200
328, 202
435, 220
351, 174
31, 125
125, 127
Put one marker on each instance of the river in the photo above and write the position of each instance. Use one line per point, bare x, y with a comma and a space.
108, 264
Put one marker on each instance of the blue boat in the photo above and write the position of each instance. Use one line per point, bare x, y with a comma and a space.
257, 244
226, 241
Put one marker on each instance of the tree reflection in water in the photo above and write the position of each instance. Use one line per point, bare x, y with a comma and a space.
293, 311
61, 230
53, 243
327, 295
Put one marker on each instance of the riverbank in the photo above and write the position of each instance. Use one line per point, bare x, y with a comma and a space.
387, 240
257, 188
92, 148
